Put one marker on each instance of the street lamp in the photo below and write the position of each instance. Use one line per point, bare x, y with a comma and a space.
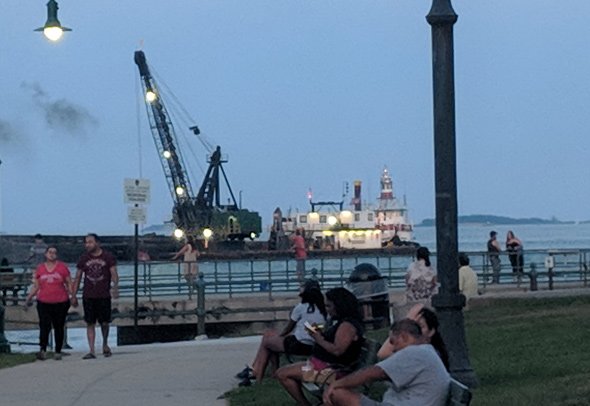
449, 302
52, 29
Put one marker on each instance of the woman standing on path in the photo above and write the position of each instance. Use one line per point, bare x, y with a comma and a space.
52, 284
421, 282
190, 254
514, 248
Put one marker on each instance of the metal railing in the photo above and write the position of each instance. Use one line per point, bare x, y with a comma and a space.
270, 276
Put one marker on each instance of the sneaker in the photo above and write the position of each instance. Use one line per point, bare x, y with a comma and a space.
57, 356
245, 373
41, 356
245, 382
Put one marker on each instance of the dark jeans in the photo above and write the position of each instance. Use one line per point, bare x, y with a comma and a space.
52, 315
496, 268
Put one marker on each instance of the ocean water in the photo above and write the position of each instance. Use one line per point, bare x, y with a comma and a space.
474, 237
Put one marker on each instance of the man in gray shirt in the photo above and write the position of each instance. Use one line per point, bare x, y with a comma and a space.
415, 371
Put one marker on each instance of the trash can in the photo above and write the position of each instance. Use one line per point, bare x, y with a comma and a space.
372, 291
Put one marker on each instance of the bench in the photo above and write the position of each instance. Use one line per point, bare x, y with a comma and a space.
367, 357
459, 394
14, 282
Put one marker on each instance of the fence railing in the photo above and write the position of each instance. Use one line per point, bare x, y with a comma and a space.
236, 277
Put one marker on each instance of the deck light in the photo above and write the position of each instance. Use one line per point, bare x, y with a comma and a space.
178, 233
150, 96
179, 190
167, 154
52, 29
332, 220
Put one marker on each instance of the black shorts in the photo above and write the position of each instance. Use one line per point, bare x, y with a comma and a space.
296, 347
97, 309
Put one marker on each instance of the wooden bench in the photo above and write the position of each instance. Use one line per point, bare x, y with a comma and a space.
367, 357
459, 394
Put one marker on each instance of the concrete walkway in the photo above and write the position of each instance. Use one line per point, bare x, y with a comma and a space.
171, 374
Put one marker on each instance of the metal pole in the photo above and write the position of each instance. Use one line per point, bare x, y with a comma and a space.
4, 345
200, 305
135, 276
448, 302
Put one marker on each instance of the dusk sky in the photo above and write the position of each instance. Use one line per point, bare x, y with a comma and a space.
299, 94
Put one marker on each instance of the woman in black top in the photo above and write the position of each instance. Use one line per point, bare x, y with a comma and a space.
515, 255
340, 345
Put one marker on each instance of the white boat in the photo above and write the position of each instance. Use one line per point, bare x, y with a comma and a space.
329, 225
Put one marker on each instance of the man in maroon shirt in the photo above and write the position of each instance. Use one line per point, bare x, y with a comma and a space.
99, 268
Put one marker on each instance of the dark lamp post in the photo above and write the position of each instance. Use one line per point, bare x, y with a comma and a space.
52, 29
448, 302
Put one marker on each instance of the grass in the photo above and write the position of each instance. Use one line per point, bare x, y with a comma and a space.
523, 351
14, 359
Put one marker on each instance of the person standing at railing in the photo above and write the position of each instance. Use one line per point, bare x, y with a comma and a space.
515, 255
494, 256
52, 285
421, 283
298, 247
189, 253
37, 252
99, 269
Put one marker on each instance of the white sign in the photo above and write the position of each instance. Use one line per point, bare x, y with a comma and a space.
137, 191
136, 214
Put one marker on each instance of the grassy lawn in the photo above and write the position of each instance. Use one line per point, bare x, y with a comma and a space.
13, 359
524, 352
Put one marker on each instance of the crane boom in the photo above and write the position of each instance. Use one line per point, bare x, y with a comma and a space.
192, 214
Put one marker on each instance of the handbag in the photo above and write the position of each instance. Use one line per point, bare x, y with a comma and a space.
322, 377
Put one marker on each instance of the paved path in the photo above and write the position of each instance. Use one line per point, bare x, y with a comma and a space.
172, 374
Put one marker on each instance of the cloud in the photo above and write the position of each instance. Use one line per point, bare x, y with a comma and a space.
61, 115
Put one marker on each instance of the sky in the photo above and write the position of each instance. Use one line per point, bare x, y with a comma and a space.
299, 94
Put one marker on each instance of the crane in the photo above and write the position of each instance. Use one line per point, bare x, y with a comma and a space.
192, 214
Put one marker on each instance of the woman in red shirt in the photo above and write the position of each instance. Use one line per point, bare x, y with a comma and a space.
52, 285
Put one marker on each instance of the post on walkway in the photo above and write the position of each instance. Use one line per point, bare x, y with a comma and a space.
201, 304
448, 302
4, 345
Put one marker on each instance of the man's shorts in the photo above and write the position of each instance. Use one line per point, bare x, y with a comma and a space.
97, 309
365, 401
295, 347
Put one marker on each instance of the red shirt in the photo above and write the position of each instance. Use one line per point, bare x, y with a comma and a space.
299, 246
52, 288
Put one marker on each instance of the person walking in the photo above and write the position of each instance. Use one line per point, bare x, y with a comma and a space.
494, 256
467, 279
515, 255
99, 269
52, 285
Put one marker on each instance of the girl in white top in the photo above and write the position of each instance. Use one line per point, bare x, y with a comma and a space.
294, 339
421, 277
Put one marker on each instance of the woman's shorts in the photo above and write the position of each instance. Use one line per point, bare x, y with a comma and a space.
296, 347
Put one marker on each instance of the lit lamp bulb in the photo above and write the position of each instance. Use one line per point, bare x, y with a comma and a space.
207, 233
166, 154
332, 220
178, 233
52, 28
179, 190
150, 96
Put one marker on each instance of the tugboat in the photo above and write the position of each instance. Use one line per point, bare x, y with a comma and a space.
330, 226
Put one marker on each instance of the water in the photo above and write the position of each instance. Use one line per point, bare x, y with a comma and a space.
474, 237
23, 341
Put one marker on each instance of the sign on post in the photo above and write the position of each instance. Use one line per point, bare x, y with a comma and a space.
137, 191
136, 214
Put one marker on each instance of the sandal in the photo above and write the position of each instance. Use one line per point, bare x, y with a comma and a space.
106, 351
89, 356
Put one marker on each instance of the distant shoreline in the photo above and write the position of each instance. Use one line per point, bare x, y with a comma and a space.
483, 219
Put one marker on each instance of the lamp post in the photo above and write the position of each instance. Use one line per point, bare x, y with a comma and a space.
448, 302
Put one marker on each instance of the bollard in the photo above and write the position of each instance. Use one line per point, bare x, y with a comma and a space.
200, 304
533, 276
4, 345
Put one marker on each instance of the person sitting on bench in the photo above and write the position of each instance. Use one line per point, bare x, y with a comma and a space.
340, 344
415, 372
